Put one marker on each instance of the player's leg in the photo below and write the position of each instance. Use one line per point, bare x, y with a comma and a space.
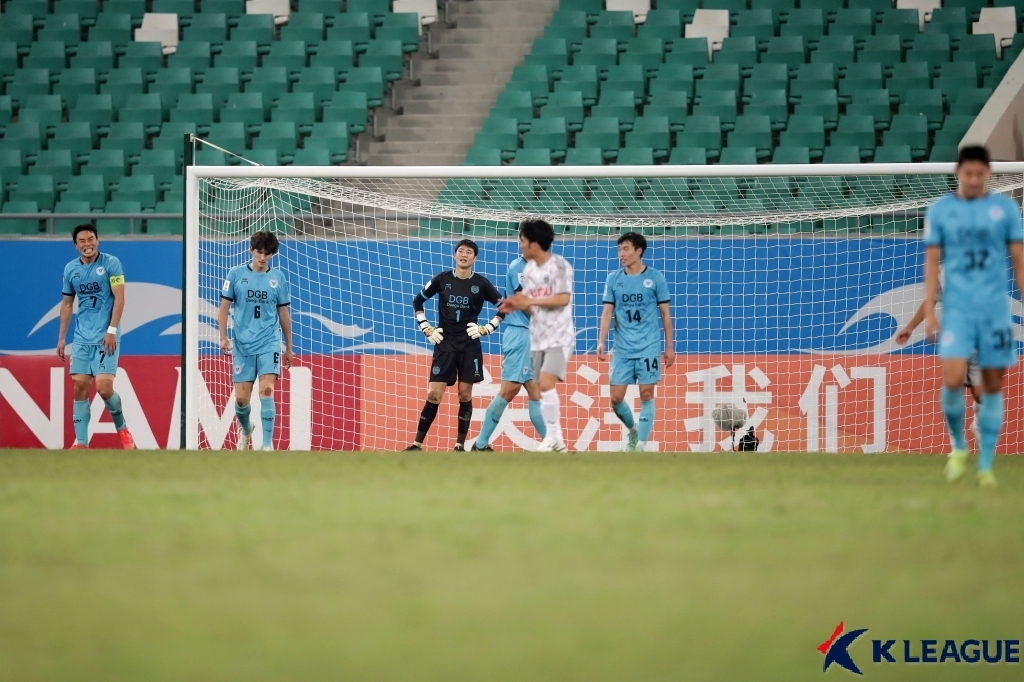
997, 350
516, 369
953, 409
648, 372
536, 416
268, 368
465, 414
506, 393
973, 383
243, 375
443, 373
470, 367
549, 366
84, 359
105, 387
620, 376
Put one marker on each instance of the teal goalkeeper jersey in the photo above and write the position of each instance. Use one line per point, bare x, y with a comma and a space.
637, 318
91, 283
514, 283
255, 298
973, 234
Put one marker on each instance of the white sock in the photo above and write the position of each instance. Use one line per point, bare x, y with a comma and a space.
550, 409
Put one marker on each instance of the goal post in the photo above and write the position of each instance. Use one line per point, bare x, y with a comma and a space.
788, 283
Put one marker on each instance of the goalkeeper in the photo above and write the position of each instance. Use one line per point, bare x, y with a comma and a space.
457, 352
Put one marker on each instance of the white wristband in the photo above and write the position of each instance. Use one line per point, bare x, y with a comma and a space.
112, 330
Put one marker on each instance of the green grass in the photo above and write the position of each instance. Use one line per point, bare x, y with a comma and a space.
417, 566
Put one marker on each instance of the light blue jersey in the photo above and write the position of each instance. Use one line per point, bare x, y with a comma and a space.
255, 297
514, 283
91, 283
973, 234
637, 318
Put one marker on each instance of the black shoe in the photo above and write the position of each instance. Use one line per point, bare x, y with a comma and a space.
459, 447
412, 448
486, 448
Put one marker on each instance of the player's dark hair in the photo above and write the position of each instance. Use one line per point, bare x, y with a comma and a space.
638, 241
539, 232
84, 227
973, 152
265, 242
470, 243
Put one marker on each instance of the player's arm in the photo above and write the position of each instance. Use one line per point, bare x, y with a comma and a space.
284, 316
66, 305
110, 338
904, 334
604, 329
932, 261
434, 334
222, 325
666, 324
474, 330
1017, 262
560, 299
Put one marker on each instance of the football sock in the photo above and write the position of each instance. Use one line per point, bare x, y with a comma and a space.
624, 414
80, 417
990, 423
114, 408
491, 418
465, 416
953, 408
551, 409
646, 419
268, 413
426, 419
242, 412
538, 419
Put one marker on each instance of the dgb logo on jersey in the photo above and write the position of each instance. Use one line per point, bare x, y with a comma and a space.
89, 288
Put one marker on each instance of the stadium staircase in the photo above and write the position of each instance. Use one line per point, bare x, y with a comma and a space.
456, 90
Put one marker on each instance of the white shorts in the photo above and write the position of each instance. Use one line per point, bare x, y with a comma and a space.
551, 361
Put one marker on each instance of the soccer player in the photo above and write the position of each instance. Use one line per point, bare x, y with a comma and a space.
637, 296
971, 233
547, 295
97, 279
458, 356
516, 366
257, 296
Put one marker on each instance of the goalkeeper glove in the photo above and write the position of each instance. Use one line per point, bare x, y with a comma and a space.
434, 335
475, 330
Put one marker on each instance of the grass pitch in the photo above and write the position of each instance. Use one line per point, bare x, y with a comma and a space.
420, 566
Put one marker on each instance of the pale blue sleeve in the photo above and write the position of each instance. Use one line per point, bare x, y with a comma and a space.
114, 268
661, 288
933, 226
67, 289
284, 296
609, 297
227, 289
1014, 230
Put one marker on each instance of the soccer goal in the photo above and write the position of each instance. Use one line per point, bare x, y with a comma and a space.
788, 287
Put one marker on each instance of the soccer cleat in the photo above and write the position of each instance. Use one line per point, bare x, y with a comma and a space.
552, 444
955, 465
631, 440
244, 437
127, 442
459, 447
486, 448
267, 448
412, 448
986, 479
78, 446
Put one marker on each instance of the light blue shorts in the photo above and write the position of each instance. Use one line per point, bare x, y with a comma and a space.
249, 367
643, 371
94, 359
992, 337
516, 363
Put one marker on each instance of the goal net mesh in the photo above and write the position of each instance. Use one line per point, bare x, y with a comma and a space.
787, 295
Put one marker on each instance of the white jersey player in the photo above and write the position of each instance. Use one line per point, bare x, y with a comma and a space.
547, 296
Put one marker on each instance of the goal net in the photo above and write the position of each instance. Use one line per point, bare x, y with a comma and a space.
788, 287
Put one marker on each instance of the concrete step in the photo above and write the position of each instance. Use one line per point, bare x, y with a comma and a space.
522, 19
435, 107
452, 78
418, 133
495, 36
469, 65
416, 147
414, 159
513, 7
477, 51
454, 120
472, 92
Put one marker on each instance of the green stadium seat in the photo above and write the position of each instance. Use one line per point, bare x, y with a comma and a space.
129, 137
28, 82
271, 81
109, 164
231, 136
25, 227
718, 78
552, 53
738, 156
172, 82
955, 77
533, 157
651, 132
568, 105
165, 227
577, 78
950, 20
910, 130
289, 54
47, 110
369, 80
741, 51
17, 29
55, 163
636, 156
887, 50
8, 60
145, 109
572, 35
219, 81
401, 26
232, 9
788, 50
88, 189
171, 137
943, 154
857, 23
629, 78
351, 26
198, 55
66, 226
836, 50
928, 103
995, 77
308, 27
906, 77
970, 102
255, 27
95, 54
95, 109
11, 164
856, 131
75, 82
338, 54
663, 25
859, 76
113, 27
246, 108
349, 108
702, 131
600, 132
194, 108
721, 104
388, 55
159, 163
899, 21
771, 103
759, 24
805, 131
137, 188
61, 27
688, 156
209, 27
788, 155
319, 81
236, 54
617, 25
548, 133
24, 136
600, 52
119, 226
647, 53
133, 8
874, 103
147, 56
295, 106
931, 48
980, 49
618, 105
332, 137
279, 136
185, 9
123, 82
673, 106
753, 131
77, 138
317, 156
40, 189
50, 55
376, 9
766, 77
808, 22
586, 156
482, 157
